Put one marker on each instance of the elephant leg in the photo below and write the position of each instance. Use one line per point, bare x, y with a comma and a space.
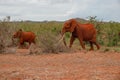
71, 41
29, 45
91, 45
21, 43
97, 45
82, 43
94, 41
34, 42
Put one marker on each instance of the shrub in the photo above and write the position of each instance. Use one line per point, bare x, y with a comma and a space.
49, 43
6, 31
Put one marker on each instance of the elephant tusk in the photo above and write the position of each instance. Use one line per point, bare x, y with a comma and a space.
59, 41
61, 38
64, 42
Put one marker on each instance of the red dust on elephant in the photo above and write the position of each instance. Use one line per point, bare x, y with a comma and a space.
24, 37
83, 32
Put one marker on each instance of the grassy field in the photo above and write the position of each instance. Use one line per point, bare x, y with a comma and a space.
48, 33
70, 64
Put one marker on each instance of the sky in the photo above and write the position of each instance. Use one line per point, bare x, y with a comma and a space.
60, 10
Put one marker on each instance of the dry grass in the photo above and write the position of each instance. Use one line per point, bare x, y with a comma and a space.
49, 43
6, 31
47, 34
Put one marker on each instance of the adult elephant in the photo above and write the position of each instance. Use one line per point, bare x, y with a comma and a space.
84, 32
24, 37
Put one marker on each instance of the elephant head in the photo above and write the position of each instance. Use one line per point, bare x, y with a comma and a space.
69, 26
17, 34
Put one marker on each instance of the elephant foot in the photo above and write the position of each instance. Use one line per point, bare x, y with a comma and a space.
84, 51
20, 47
70, 46
98, 47
91, 49
27, 47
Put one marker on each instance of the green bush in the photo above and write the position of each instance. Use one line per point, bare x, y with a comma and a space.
107, 32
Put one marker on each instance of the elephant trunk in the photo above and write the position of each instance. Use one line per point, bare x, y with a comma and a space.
63, 37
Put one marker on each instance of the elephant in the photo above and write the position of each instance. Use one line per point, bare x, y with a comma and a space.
83, 32
24, 37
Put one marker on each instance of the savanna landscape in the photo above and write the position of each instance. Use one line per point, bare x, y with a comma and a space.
49, 59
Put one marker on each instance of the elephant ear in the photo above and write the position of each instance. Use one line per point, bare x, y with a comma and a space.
20, 29
73, 24
20, 33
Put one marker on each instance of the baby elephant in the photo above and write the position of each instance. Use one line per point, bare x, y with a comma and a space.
24, 37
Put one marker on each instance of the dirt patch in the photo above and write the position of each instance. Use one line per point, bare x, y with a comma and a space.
66, 66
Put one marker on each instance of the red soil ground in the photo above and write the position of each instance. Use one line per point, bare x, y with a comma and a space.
64, 66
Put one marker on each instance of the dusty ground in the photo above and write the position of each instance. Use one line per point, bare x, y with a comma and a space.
63, 66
